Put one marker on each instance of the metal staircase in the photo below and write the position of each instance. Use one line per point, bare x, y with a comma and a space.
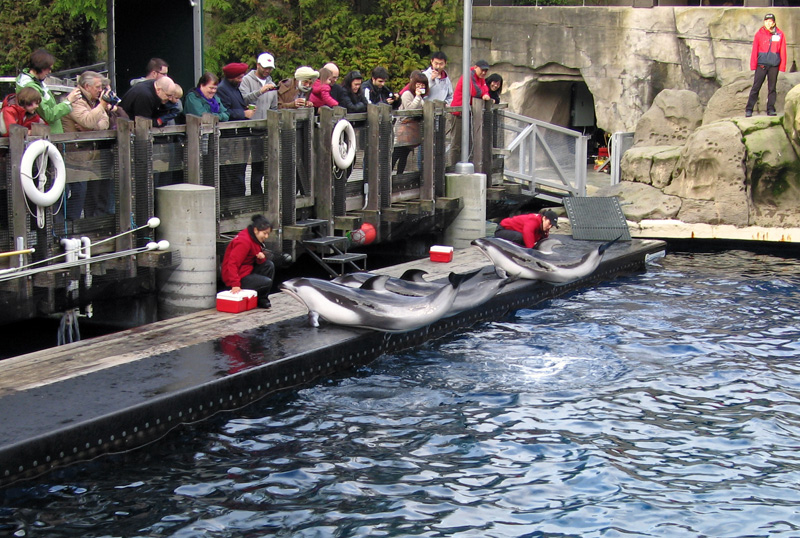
326, 250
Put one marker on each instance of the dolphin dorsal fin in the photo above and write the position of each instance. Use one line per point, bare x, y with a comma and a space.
414, 275
376, 283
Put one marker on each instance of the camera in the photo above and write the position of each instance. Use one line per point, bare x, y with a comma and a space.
422, 91
110, 97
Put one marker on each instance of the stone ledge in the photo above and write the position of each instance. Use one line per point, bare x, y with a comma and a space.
676, 229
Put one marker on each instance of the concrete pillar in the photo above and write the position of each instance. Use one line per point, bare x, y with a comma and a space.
471, 222
188, 221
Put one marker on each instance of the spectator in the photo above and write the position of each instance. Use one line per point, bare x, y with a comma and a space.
495, 84
349, 94
203, 99
477, 88
232, 176
321, 92
23, 112
148, 99
173, 107
50, 110
408, 129
258, 89
295, 92
156, 68
440, 87
89, 113
375, 90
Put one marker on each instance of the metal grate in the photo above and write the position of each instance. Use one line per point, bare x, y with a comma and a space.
596, 219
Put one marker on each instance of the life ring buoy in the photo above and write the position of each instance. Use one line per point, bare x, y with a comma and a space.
343, 144
35, 150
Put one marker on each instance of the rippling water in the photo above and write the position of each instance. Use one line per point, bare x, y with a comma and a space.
663, 404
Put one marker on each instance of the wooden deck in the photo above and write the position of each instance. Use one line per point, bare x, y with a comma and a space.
120, 391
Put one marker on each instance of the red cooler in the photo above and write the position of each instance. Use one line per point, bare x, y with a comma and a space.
236, 302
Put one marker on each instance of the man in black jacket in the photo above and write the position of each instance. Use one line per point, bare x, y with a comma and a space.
232, 176
375, 90
349, 94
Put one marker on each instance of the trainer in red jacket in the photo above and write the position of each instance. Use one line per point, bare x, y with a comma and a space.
768, 39
246, 265
527, 229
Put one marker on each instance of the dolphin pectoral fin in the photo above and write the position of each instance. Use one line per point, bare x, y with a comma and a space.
313, 319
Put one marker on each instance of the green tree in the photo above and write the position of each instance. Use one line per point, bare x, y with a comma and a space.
355, 34
32, 24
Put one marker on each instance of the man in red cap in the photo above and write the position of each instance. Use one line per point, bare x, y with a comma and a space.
232, 176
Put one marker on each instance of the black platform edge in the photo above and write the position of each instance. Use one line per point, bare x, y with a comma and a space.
142, 424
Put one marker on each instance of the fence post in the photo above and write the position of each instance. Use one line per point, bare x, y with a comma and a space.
287, 158
272, 172
143, 189
18, 223
372, 161
124, 184
193, 125
427, 185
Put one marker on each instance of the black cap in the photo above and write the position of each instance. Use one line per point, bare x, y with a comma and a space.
769, 16
483, 64
552, 217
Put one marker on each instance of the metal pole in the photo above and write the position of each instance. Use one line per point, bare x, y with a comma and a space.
464, 166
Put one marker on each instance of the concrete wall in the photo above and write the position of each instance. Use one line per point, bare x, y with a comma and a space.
625, 55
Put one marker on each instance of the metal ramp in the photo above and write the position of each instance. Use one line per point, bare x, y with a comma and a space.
327, 250
596, 219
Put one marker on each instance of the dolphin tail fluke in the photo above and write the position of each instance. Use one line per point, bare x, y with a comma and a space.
605, 246
414, 275
456, 279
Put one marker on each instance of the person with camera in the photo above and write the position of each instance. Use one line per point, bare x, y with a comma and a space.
89, 113
407, 130
767, 58
375, 90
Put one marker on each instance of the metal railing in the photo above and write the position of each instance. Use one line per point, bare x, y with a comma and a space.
549, 161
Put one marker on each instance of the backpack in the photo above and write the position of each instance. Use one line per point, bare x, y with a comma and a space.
10, 99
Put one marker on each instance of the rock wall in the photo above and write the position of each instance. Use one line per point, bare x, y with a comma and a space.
625, 55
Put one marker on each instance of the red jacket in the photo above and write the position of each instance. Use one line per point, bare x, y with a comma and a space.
761, 43
321, 95
240, 258
16, 114
529, 225
478, 88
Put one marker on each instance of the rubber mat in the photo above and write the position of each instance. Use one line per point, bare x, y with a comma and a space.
596, 219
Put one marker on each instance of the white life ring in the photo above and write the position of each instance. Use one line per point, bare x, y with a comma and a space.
343, 147
34, 151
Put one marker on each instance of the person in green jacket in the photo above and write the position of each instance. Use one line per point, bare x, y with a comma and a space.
50, 110
203, 99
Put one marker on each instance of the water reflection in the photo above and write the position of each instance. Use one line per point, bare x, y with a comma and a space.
664, 404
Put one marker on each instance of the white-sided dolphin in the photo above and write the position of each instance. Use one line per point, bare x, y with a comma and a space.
370, 306
476, 288
521, 262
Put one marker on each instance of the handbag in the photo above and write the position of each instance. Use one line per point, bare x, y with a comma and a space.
409, 132
769, 58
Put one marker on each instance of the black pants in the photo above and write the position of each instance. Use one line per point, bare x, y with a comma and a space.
231, 180
256, 175
260, 279
400, 157
771, 74
509, 235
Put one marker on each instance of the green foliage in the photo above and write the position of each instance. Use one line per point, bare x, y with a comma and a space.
354, 34
32, 24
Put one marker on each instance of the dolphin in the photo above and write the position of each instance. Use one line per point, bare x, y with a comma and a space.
529, 264
477, 287
371, 306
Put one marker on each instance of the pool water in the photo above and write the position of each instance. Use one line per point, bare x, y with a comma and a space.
661, 404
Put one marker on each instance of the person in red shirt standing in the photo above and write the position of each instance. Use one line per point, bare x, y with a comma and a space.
767, 58
527, 229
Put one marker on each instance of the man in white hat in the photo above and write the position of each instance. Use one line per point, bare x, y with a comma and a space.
258, 89
294, 92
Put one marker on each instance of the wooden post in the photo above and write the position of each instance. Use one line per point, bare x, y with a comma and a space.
143, 188
323, 190
427, 183
193, 155
371, 156
287, 161
385, 150
18, 223
272, 173
125, 185
478, 141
